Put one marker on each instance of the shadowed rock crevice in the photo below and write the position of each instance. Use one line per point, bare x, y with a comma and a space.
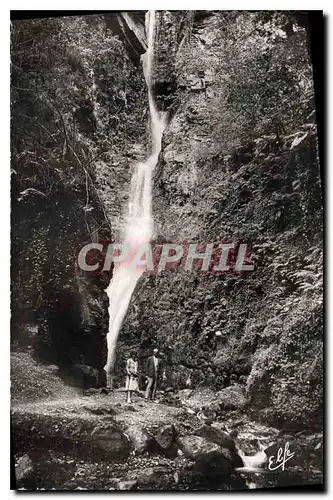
130, 28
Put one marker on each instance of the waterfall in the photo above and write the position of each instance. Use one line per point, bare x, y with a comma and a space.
252, 463
139, 223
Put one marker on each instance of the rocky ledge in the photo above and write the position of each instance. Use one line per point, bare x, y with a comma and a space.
144, 446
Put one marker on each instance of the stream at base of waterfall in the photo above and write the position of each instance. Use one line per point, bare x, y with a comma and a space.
138, 222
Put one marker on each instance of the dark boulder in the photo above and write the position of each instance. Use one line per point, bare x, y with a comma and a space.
213, 466
288, 448
233, 433
108, 441
165, 439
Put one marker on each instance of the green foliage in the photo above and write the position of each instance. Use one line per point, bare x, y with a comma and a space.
262, 78
75, 96
269, 82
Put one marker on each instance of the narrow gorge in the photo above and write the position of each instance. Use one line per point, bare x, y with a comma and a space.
139, 223
167, 128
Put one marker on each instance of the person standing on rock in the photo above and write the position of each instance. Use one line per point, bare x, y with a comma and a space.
132, 375
153, 372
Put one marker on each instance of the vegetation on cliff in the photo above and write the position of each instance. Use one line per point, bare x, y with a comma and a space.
77, 100
239, 163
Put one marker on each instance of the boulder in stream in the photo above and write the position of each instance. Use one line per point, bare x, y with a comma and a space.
209, 442
213, 466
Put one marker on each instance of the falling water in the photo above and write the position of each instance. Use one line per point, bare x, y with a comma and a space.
139, 223
252, 463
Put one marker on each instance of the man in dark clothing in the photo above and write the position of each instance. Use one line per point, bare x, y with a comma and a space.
154, 369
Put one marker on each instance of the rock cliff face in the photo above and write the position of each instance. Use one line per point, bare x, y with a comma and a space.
229, 171
239, 163
78, 123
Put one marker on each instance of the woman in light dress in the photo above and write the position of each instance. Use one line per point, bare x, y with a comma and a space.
132, 375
